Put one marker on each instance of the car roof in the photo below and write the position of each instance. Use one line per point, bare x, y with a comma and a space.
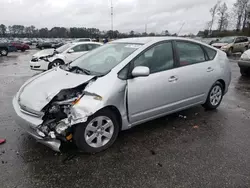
145, 40
85, 42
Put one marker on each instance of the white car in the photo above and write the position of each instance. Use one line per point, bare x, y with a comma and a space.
46, 59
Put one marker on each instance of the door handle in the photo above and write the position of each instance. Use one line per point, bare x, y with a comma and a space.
210, 69
173, 79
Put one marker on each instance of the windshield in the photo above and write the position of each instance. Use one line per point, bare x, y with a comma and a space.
63, 48
227, 40
101, 60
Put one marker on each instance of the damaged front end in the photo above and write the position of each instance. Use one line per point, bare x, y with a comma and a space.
60, 115
47, 105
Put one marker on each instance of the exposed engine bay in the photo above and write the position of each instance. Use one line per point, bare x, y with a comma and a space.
58, 114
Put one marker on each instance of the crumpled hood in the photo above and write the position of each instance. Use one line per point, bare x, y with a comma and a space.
44, 53
220, 44
40, 90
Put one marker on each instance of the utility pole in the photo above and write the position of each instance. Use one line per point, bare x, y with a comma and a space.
112, 18
146, 27
180, 29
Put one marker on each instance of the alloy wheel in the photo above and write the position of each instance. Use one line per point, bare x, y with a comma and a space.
3, 52
216, 95
56, 64
99, 131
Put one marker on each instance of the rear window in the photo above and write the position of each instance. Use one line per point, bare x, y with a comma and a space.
210, 52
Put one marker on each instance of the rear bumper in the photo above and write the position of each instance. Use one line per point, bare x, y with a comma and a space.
30, 123
244, 63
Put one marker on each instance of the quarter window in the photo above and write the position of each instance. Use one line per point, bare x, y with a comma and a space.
210, 52
157, 58
189, 53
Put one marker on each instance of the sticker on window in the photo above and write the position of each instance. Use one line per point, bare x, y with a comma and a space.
133, 46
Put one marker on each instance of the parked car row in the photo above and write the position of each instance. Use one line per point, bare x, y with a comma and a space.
117, 86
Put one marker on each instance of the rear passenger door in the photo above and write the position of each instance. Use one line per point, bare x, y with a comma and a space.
196, 72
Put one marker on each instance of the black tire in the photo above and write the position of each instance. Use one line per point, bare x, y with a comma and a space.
245, 71
208, 104
230, 52
245, 49
22, 50
4, 52
79, 132
55, 63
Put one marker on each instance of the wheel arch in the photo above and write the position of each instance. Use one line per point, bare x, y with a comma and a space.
223, 84
115, 111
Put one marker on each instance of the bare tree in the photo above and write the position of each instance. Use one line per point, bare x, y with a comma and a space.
213, 12
240, 9
223, 17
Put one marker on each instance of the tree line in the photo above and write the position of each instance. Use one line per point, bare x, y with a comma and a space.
229, 22
72, 32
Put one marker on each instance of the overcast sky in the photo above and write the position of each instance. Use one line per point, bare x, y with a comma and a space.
128, 14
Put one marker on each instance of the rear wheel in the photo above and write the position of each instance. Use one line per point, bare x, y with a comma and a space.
214, 97
4, 52
245, 49
98, 133
55, 63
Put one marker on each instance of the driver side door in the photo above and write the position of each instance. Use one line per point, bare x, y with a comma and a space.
154, 95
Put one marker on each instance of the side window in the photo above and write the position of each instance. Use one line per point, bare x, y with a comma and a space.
80, 48
245, 39
92, 46
158, 58
210, 52
189, 53
237, 40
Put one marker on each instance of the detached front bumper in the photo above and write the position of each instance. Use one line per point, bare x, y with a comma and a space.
39, 65
30, 124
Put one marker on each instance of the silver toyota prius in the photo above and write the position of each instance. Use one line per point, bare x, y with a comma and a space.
117, 86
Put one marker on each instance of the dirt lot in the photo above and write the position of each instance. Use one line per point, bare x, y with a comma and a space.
205, 149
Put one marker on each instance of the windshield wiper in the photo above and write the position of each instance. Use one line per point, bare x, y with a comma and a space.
80, 69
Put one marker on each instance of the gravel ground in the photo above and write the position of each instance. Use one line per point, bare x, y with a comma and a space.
205, 149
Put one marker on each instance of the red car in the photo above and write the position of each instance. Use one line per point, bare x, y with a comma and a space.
20, 46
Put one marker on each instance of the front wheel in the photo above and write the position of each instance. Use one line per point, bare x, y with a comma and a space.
214, 97
55, 63
230, 52
98, 133
4, 52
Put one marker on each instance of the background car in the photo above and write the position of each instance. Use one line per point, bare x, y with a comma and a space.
244, 63
5, 48
232, 45
119, 85
20, 46
61, 55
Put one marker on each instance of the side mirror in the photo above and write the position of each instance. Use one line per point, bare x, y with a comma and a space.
140, 71
70, 51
